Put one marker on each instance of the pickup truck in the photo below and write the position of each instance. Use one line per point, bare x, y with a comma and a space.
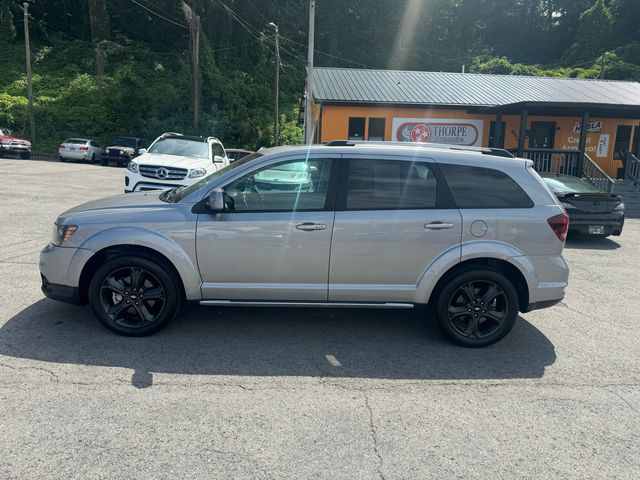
13, 145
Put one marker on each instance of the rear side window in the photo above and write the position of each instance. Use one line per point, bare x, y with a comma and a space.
479, 187
390, 185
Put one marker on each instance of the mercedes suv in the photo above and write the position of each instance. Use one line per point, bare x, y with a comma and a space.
477, 237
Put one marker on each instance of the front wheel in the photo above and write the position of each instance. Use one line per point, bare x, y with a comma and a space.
477, 308
104, 161
25, 155
134, 296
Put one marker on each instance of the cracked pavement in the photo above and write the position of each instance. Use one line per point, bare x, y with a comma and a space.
311, 394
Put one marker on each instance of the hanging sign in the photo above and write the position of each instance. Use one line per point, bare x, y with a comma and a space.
603, 146
592, 127
436, 130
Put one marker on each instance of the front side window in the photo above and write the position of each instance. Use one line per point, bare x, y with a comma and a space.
217, 149
288, 186
479, 187
390, 185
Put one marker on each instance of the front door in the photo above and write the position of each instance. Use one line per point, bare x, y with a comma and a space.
390, 225
272, 241
542, 135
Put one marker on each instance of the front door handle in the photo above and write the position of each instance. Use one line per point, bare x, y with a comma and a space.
438, 226
308, 226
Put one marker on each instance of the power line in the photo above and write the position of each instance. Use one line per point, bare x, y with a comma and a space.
255, 33
329, 54
158, 15
165, 13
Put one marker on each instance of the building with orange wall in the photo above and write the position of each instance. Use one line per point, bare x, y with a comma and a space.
534, 117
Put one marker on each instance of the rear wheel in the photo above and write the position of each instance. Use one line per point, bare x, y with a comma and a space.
25, 155
62, 159
93, 158
477, 308
134, 296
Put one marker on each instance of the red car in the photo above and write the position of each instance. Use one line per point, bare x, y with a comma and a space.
13, 145
234, 154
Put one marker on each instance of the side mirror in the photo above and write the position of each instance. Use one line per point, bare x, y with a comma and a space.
215, 201
142, 151
218, 159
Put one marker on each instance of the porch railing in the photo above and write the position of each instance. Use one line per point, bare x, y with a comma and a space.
632, 169
568, 162
553, 161
595, 175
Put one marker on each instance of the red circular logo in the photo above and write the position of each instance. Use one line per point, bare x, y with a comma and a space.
421, 133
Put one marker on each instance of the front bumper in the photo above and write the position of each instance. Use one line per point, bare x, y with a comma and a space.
15, 149
60, 269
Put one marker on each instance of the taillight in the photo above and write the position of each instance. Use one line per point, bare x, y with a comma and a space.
61, 145
560, 225
83, 148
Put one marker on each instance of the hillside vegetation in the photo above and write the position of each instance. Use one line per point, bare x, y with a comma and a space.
147, 83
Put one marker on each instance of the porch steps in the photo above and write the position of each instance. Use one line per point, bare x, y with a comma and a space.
631, 193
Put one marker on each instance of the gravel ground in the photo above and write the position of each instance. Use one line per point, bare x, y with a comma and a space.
308, 394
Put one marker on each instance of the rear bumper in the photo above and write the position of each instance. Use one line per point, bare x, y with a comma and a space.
612, 223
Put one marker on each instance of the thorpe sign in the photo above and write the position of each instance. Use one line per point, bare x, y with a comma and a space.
437, 130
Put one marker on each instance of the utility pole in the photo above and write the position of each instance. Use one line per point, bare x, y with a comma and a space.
194, 29
603, 66
32, 122
276, 125
308, 115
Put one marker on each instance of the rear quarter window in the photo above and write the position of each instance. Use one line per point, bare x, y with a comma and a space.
480, 187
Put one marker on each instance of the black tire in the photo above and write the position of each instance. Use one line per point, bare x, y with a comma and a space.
62, 159
93, 158
119, 302
104, 161
25, 155
476, 308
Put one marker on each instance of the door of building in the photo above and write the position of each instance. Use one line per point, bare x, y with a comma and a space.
543, 135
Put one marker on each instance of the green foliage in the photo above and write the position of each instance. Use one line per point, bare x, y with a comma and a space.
146, 89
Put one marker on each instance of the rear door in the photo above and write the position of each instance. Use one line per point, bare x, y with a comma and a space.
392, 220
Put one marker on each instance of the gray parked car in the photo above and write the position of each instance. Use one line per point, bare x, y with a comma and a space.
476, 236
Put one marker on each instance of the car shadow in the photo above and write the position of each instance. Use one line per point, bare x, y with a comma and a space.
591, 243
348, 343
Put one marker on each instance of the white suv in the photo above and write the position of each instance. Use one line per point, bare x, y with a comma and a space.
174, 160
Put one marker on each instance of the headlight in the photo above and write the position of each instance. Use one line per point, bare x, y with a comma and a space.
197, 172
619, 207
568, 206
132, 167
62, 233
5, 142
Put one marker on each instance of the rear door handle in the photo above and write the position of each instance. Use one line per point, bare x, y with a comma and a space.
438, 226
308, 226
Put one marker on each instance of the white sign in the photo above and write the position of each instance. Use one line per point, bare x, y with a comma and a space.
592, 127
603, 146
438, 130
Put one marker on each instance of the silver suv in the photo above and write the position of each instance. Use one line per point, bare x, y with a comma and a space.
475, 236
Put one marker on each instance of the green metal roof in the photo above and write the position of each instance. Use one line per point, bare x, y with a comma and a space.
345, 85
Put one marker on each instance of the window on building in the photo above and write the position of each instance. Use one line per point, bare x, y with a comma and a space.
390, 185
479, 187
376, 129
356, 128
497, 142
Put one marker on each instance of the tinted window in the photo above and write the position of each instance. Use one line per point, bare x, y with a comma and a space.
217, 149
390, 184
356, 128
289, 186
479, 187
180, 146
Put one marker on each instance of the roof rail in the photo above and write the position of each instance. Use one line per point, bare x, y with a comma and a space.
498, 152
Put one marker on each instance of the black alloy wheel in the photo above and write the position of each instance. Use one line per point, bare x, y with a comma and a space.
477, 308
134, 296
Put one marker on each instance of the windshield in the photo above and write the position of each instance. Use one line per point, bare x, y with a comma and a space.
569, 185
183, 192
124, 142
181, 147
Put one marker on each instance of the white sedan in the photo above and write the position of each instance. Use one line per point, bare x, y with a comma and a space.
79, 149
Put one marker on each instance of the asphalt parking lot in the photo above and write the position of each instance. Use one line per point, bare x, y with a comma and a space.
309, 394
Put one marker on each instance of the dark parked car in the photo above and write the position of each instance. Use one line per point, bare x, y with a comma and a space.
591, 211
121, 150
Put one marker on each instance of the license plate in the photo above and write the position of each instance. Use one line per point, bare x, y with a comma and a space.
73, 149
596, 229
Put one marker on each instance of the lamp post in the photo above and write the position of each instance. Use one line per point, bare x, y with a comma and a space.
276, 126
